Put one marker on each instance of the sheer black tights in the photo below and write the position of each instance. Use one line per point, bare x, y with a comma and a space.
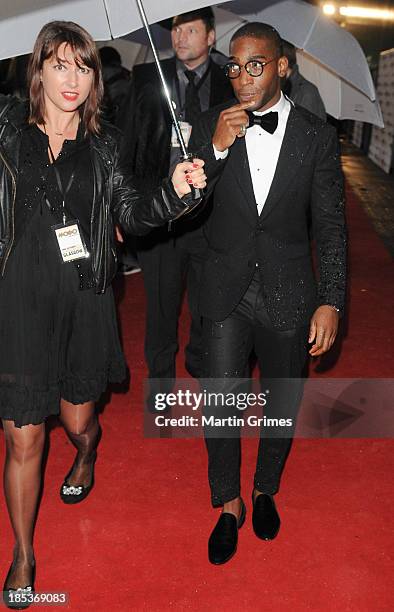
83, 429
22, 476
22, 481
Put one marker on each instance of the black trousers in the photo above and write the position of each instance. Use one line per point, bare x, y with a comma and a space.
168, 264
281, 355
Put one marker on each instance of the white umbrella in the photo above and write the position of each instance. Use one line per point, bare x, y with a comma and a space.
302, 24
21, 20
337, 56
341, 100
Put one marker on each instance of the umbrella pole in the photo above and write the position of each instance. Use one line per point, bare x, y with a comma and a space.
196, 193
163, 81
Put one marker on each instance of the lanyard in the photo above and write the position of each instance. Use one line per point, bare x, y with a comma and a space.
60, 184
197, 86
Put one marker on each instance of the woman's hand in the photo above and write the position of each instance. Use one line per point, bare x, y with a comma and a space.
186, 174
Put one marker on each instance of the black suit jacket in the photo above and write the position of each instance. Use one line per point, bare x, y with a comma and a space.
307, 186
146, 122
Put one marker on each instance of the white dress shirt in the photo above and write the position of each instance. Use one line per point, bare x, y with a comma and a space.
263, 151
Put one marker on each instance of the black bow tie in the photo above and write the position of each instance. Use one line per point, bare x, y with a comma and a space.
269, 121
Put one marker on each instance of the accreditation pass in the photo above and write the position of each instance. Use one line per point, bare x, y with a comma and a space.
70, 241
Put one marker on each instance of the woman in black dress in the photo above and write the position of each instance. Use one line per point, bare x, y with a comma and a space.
62, 189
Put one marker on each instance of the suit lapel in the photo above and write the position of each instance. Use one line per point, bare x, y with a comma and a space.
297, 139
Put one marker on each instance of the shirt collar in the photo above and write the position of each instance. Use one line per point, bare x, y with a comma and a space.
200, 70
279, 107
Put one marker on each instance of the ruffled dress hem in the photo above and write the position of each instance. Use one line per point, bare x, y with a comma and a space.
44, 403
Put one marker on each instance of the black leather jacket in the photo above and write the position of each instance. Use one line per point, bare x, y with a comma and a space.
115, 198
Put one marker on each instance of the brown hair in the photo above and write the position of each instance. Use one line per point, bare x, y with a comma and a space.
205, 14
50, 38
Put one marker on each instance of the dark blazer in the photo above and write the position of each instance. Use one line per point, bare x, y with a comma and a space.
307, 185
146, 123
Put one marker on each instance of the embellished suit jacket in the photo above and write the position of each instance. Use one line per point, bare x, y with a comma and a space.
307, 193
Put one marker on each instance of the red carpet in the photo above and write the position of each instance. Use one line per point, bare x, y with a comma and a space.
139, 542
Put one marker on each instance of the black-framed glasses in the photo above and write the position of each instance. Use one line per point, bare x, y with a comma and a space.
254, 67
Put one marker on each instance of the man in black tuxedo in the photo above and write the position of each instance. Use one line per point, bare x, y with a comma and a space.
150, 148
274, 169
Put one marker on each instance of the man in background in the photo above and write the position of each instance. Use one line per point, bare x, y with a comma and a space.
116, 82
150, 148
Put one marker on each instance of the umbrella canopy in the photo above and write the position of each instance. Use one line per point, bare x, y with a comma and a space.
21, 20
341, 100
330, 54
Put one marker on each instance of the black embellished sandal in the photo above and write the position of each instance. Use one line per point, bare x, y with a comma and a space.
22, 597
73, 494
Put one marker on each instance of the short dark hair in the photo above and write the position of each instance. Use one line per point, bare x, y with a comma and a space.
256, 29
50, 38
289, 51
206, 15
109, 56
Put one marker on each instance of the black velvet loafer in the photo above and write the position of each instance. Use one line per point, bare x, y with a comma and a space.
265, 519
223, 540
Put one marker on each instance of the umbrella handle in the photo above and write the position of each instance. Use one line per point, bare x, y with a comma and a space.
193, 199
196, 192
